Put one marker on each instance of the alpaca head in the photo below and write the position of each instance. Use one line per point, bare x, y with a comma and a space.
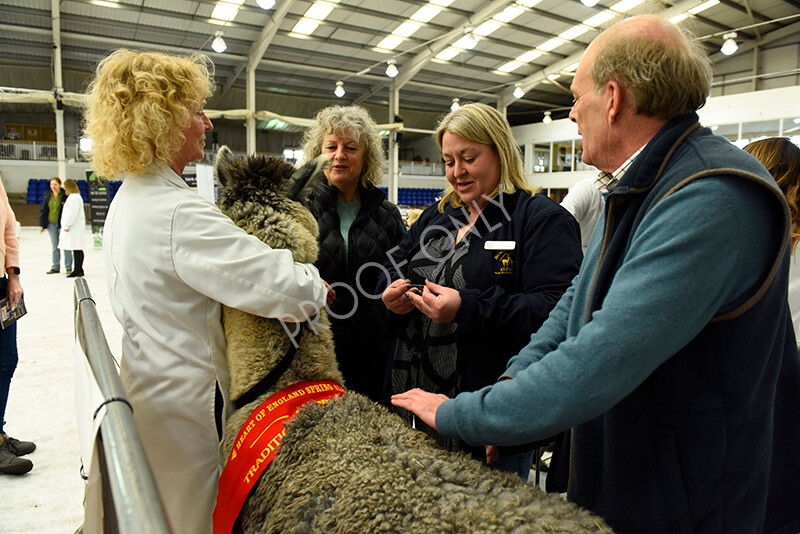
258, 194
255, 195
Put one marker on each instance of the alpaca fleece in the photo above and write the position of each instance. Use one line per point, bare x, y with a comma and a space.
351, 465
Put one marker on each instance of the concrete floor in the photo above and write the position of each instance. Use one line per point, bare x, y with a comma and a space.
41, 405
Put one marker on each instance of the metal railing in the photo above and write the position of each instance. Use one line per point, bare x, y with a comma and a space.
37, 151
136, 504
422, 168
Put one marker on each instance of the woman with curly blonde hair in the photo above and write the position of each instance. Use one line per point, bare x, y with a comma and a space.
171, 260
357, 225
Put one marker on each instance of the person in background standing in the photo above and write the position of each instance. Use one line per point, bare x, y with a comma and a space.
10, 287
73, 227
494, 256
781, 157
357, 225
50, 220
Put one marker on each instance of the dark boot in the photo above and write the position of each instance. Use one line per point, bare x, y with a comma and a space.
10, 464
20, 448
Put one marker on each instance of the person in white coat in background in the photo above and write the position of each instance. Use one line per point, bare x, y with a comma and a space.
585, 202
172, 259
73, 226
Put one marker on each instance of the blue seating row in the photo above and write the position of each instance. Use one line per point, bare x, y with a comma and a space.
416, 196
38, 187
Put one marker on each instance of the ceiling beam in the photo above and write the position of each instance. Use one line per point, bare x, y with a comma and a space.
507, 95
411, 68
262, 42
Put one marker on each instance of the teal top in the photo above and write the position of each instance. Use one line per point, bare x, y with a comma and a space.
347, 214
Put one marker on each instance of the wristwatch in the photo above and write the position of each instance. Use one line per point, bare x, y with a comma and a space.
14, 270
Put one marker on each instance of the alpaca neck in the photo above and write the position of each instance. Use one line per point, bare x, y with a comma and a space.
257, 344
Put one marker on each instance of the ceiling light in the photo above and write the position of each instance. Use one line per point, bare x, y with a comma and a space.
225, 10
589, 3
391, 68
600, 18
528, 56
406, 29
510, 66
448, 53
266, 4
702, 7
509, 14
487, 27
518, 92
729, 47
339, 91
547, 118
218, 44
550, 44
390, 42
469, 41
455, 105
425, 13
318, 11
105, 3
627, 5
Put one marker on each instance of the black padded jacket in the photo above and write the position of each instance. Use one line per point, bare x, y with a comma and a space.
361, 329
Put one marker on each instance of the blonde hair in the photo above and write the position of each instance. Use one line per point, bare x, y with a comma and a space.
139, 103
666, 76
483, 124
71, 186
354, 122
781, 157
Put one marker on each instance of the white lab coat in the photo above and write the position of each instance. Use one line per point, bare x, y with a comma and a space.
73, 219
172, 259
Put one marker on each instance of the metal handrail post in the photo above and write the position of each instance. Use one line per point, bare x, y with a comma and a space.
136, 499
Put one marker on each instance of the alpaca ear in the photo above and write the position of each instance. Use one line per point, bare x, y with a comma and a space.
222, 165
307, 178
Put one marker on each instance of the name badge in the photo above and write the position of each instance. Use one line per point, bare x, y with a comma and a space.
500, 245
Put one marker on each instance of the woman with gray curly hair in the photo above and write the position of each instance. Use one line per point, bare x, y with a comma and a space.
357, 226
172, 259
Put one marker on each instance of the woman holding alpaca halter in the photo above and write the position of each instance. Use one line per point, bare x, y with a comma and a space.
172, 260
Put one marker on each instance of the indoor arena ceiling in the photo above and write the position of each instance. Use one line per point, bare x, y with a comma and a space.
304, 47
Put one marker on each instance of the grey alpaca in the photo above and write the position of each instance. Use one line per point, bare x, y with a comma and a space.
351, 465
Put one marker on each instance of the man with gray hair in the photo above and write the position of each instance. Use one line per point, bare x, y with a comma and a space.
672, 356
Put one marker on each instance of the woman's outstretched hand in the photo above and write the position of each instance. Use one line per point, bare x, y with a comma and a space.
421, 403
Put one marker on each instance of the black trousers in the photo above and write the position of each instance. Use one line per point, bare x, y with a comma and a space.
77, 269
